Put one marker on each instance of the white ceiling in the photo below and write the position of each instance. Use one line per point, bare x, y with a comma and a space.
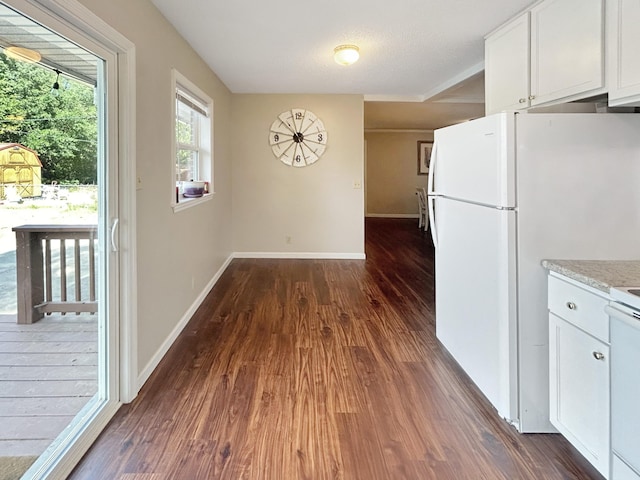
410, 49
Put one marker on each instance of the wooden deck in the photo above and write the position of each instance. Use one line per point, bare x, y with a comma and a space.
48, 372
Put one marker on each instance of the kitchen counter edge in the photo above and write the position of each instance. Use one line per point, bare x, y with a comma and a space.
599, 274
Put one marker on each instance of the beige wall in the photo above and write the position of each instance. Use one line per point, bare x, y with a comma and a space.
178, 253
316, 206
392, 178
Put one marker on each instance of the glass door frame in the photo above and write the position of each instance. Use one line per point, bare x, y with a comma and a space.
118, 375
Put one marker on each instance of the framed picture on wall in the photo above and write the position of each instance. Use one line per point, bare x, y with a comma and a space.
424, 154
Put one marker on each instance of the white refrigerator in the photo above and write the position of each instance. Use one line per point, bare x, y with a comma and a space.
505, 192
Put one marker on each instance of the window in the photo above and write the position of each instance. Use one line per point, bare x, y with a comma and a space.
193, 146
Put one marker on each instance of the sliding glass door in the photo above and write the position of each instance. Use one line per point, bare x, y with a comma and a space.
59, 339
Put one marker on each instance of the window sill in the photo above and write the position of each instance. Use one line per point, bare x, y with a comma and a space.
191, 202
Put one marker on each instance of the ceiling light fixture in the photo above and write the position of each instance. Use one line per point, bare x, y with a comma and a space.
22, 54
346, 54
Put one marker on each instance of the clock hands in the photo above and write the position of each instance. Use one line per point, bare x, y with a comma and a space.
297, 137
287, 121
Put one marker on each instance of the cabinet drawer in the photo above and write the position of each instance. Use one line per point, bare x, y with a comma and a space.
580, 307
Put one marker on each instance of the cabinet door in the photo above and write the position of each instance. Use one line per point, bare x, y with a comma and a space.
623, 36
507, 67
567, 60
579, 390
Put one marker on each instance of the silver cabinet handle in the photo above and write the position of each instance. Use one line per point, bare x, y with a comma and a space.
522, 100
532, 97
598, 355
572, 306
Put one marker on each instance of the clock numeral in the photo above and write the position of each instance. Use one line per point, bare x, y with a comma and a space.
298, 159
276, 137
320, 137
298, 115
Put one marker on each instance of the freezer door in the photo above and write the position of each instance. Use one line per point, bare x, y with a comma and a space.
476, 298
474, 161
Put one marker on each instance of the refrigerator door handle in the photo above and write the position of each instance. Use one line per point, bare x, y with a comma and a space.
432, 168
432, 219
430, 198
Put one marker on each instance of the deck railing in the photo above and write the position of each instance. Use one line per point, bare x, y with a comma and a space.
42, 262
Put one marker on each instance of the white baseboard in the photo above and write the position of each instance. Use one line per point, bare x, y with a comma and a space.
302, 255
164, 348
393, 215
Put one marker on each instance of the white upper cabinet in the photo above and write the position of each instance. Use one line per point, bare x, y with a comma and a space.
507, 66
560, 59
623, 64
567, 49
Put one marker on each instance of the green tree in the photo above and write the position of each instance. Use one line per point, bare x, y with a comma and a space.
60, 126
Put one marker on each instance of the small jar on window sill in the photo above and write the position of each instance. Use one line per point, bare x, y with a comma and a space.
193, 189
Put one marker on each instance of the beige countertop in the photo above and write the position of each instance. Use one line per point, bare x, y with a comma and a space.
599, 274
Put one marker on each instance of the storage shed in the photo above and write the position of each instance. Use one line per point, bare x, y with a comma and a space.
20, 171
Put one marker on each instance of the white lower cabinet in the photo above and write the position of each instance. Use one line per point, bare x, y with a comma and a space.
622, 471
579, 370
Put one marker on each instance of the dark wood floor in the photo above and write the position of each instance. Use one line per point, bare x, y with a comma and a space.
321, 369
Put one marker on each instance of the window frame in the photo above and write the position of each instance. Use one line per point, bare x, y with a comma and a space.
179, 83
195, 145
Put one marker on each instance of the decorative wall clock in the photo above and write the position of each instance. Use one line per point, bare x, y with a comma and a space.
297, 137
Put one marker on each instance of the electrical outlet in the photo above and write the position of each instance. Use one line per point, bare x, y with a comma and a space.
357, 184
139, 183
